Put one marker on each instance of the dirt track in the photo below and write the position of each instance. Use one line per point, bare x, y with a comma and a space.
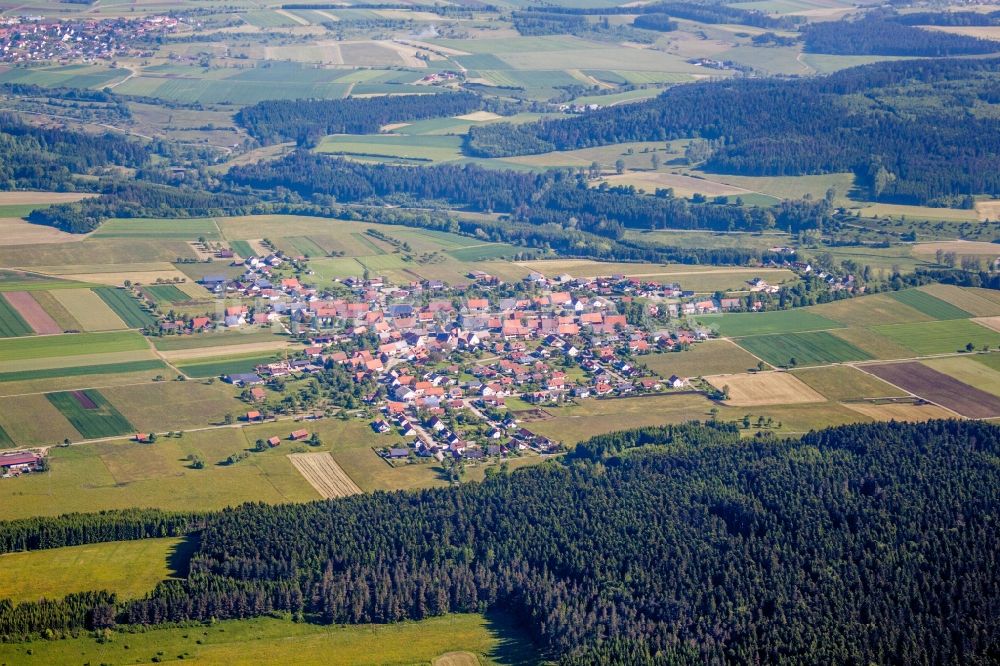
324, 474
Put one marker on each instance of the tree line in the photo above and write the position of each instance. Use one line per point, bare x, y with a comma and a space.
854, 544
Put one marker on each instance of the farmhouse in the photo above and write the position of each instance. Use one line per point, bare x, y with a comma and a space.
274, 441
298, 434
19, 462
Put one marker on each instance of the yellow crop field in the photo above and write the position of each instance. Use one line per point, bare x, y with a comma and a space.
765, 388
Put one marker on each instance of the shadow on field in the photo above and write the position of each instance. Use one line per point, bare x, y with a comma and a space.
179, 556
514, 645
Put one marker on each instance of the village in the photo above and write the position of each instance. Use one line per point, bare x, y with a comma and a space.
36, 39
442, 363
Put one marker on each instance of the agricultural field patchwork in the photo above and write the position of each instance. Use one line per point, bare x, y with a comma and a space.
939, 388
126, 307
12, 324
88, 309
764, 388
56, 346
737, 325
933, 307
939, 337
90, 413
846, 383
712, 357
32, 312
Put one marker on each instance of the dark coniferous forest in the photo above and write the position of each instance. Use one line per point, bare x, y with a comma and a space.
870, 543
900, 126
874, 36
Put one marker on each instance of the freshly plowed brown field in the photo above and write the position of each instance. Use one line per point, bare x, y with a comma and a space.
324, 474
938, 388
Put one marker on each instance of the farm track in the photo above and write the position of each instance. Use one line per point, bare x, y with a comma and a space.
324, 474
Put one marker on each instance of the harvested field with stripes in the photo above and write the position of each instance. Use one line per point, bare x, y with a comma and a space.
324, 474
938, 388
765, 388
32, 312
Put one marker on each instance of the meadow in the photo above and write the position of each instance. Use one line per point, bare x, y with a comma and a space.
130, 569
712, 357
844, 382
939, 337
183, 229
930, 305
51, 346
449, 640
82, 370
740, 324
224, 365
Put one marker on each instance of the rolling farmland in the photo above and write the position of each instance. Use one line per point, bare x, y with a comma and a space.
939, 337
70, 345
32, 312
939, 388
930, 305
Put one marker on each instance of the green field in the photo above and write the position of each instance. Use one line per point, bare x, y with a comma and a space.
459, 640
130, 569
242, 248
12, 324
486, 252
740, 324
712, 357
82, 370
394, 146
101, 421
843, 382
806, 348
75, 344
182, 229
930, 305
5, 441
218, 367
125, 307
939, 337
167, 293
306, 246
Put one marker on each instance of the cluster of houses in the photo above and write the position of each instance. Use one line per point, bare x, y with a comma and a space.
38, 39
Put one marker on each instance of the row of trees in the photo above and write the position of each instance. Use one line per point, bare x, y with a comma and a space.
855, 544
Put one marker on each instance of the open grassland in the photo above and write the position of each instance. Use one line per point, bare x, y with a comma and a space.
11, 280
872, 343
324, 474
31, 420
185, 229
166, 293
739, 324
105, 254
225, 365
31, 311
90, 413
933, 307
711, 240
5, 441
88, 309
242, 248
844, 382
978, 302
939, 337
82, 370
170, 405
764, 388
70, 345
968, 370
126, 307
866, 310
939, 388
789, 187
121, 474
215, 338
898, 211
813, 348
486, 640
130, 569
712, 357
12, 324
427, 148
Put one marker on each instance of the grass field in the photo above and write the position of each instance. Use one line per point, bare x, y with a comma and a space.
939, 337
31, 420
843, 382
491, 639
933, 307
968, 370
126, 307
224, 366
741, 324
90, 413
182, 229
12, 324
130, 569
157, 406
712, 357
167, 293
764, 388
866, 310
978, 302
242, 248
5, 440
806, 348
70, 345
81, 370
215, 338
